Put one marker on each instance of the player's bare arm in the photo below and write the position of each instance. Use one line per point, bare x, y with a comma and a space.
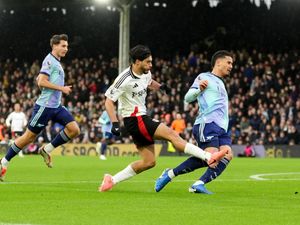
43, 81
193, 93
154, 85
110, 108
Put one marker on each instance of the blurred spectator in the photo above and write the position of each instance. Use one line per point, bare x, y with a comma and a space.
5, 140
2, 128
16, 121
249, 151
178, 125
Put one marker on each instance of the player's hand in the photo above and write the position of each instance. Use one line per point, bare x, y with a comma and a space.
116, 128
203, 84
67, 90
165, 88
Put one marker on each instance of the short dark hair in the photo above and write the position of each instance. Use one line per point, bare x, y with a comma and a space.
219, 54
139, 52
57, 38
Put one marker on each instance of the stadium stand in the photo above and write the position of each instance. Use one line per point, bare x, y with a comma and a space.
263, 92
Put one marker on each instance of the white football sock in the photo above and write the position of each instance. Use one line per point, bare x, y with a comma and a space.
49, 147
198, 182
171, 174
197, 152
124, 174
4, 162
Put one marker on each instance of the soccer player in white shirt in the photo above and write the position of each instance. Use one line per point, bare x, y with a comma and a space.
130, 90
17, 122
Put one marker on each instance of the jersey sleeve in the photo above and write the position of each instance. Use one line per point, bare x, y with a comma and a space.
194, 90
197, 81
116, 89
191, 95
46, 67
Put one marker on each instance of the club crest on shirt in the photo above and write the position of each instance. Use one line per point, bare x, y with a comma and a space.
49, 64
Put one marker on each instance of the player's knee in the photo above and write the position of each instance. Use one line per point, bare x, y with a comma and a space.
173, 136
74, 132
28, 137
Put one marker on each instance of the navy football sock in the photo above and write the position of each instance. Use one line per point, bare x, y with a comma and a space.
103, 148
12, 152
212, 173
61, 138
189, 165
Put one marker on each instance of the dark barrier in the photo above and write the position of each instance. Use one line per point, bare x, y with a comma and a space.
258, 149
90, 150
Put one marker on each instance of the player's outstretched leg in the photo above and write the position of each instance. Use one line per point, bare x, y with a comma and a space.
166, 133
187, 166
70, 131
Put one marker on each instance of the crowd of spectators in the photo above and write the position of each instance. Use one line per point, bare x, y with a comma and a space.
263, 92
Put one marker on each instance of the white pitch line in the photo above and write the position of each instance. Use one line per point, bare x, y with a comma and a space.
15, 223
252, 178
260, 176
50, 182
99, 181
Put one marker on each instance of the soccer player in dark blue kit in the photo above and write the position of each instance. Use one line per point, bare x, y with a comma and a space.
211, 126
51, 81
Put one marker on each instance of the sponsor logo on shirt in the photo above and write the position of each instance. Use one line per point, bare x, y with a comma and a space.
139, 93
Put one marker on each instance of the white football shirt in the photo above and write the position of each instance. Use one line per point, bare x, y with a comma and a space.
130, 90
17, 121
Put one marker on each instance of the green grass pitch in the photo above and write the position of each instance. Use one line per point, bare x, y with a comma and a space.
68, 194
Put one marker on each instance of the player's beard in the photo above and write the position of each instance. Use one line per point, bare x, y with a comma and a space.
145, 71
